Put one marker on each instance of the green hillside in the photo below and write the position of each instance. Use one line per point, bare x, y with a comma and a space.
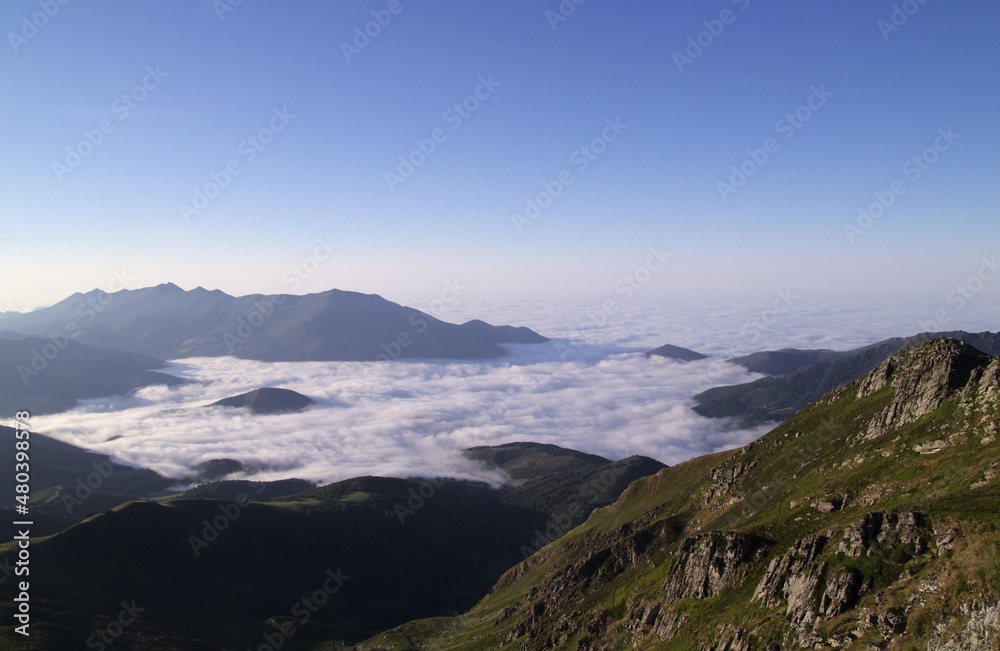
867, 521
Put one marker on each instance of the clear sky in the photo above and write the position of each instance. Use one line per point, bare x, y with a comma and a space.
622, 120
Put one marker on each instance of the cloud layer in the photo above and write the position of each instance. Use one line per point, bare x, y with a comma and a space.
589, 389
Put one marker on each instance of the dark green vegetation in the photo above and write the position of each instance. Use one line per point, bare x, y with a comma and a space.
806, 375
69, 484
215, 574
268, 401
54, 463
675, 352
171, 323
46, 376
870, 520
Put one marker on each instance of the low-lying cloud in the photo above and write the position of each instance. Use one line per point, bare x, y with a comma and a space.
406, 418
589, 389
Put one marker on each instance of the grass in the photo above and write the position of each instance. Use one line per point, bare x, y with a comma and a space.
818, 454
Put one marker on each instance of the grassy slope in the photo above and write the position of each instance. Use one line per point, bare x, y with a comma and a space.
815, 455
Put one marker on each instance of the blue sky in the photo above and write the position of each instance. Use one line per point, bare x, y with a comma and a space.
313, 128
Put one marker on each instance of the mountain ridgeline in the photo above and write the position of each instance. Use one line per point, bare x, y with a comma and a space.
44, 376
802, 376
169, 323
869, 520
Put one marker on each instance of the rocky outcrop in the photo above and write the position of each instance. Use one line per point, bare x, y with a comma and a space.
810, 589
784, 568
886, 528
923, 377
707, 564
725, 479
980, 631
815, 580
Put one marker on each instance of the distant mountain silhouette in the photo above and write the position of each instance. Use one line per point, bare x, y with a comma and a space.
675, 352
169, 322
268, 401
45, 376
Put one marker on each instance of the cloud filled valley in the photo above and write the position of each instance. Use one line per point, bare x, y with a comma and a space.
405, 418
588, 389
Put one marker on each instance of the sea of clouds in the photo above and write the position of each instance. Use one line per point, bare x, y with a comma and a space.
589, 389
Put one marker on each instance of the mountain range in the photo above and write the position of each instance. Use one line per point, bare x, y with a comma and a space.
168, 322
45, 376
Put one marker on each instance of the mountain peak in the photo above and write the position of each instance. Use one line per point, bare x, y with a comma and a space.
924, 375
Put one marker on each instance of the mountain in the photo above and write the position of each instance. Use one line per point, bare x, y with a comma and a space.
61, 464
168, 322
267, 401
806, 375
675, 352
368, 553
787, 360
869, 520
524, 460
45, 376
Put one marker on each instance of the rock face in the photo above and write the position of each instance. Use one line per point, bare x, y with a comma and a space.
981, 630
708, 564
268, 401
811, 589
924, 376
